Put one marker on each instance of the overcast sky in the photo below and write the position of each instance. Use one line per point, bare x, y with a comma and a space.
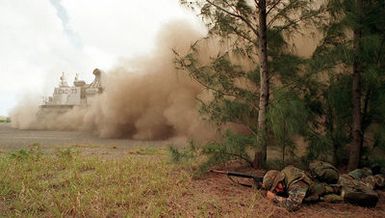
39, 39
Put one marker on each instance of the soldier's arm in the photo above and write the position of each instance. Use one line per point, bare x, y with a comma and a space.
296, 194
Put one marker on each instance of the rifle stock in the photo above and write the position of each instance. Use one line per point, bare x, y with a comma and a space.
257, 180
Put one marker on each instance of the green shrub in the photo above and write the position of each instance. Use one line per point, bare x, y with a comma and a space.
233, 147
33, 153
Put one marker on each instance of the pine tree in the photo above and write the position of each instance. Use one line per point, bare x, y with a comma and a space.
255, 31
352, 51
261, 155
355, 150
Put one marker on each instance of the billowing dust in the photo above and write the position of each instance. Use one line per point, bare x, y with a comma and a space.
144, 98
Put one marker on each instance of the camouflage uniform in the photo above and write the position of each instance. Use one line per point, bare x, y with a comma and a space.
357, 192
346, 180
298, 187
375, 182
357, 188
365, 176
324, 172
360, 173
296, 195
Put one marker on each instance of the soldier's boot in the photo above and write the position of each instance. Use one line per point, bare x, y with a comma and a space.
367, 198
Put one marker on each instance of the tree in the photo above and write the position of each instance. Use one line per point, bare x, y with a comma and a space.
353, 43
355, 150
252, 30
287, 117
261, 155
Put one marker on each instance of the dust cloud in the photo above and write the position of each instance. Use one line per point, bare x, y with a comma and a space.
145, 98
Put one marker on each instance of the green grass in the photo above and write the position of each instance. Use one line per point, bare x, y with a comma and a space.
67, 184
142, 182
5, 119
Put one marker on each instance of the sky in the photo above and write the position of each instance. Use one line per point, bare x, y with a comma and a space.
39, 39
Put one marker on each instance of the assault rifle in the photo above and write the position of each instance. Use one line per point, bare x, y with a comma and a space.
257, 180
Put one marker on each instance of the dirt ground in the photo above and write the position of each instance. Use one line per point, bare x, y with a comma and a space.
213, 185
14, 139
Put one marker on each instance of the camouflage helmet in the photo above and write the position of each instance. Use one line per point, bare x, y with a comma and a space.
271, 179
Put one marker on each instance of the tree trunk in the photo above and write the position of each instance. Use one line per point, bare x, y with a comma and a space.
355, 149
260, 154
365, 120
329, 123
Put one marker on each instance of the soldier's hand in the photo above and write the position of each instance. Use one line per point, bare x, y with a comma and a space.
270, 195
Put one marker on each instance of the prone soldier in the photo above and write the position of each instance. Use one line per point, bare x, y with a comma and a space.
370, 177
296, 185
358, 186
292, 186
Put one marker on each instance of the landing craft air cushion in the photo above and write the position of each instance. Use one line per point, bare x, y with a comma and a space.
66, 97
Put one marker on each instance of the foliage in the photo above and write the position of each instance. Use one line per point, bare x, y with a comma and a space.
232, 74
179, 155
230, 103
67, 153
331, 123
335, 56
33, 153
287, 117
233, 147
5, 119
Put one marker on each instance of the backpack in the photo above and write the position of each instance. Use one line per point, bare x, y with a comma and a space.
324, 172
293, 175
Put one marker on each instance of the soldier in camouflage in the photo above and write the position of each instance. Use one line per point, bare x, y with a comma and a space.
370, 178
358, 187
291, 187
375, 182
295, 184
291, 181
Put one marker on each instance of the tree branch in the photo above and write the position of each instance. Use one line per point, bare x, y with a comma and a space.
281, 12
294, 22
239, 156
244, 36
273, 6
247, 22
184, 66
257, 3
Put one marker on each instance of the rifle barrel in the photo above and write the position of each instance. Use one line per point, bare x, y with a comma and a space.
258, 180
238, 174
